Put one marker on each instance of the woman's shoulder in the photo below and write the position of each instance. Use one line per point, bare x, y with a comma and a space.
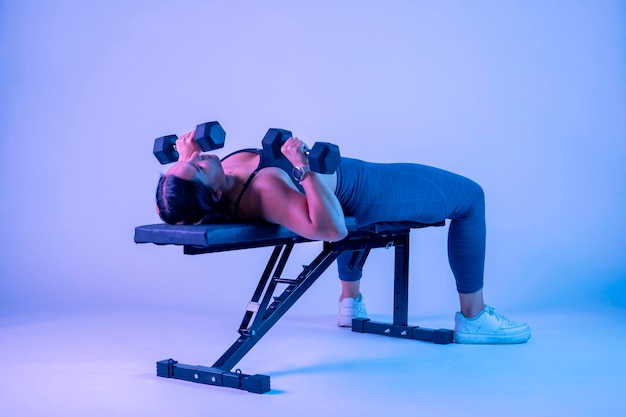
243, 161
267, 186
247, 153
272, 181
272, 174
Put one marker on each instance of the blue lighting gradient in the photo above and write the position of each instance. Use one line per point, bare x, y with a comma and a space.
528, 98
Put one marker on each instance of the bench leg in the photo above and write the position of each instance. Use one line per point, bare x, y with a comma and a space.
399, 328
170, 368
267, 313
263, 311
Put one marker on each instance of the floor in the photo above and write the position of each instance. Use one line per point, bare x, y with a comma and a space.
103, 364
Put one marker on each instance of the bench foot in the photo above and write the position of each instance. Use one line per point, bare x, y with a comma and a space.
439, 336
169, 368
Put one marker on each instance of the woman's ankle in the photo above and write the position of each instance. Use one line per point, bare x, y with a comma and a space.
472, 304
350, 289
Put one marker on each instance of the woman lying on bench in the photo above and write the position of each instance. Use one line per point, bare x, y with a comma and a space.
248, 186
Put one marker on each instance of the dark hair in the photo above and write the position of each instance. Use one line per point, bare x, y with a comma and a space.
182, 201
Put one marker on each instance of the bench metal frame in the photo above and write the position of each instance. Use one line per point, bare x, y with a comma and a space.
275, 294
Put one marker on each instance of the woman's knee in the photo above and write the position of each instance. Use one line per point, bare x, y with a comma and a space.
471, 200
478, 193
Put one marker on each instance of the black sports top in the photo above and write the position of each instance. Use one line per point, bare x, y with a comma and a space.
350, 182
264, 162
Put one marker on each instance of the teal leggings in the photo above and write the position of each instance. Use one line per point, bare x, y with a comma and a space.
375, 193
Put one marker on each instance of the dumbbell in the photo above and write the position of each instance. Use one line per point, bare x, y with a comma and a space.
323, 157
209, 136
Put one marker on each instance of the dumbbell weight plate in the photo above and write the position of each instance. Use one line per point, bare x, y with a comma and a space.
210, 136
273, 141
164, 149
324, 157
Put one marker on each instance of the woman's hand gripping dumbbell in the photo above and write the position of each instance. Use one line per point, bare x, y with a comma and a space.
323, 157
208, 136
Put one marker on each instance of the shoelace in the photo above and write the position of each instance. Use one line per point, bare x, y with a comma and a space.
499, 317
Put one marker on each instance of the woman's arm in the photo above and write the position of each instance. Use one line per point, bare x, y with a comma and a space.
316, 215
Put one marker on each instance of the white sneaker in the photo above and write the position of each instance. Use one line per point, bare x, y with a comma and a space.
351, 308
489, 327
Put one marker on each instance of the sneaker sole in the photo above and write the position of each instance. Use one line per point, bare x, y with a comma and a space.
344, 323
345, 320
490, 339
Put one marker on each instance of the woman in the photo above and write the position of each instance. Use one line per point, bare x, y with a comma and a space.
245, 186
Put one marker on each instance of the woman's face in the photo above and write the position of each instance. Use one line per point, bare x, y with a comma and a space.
205, 168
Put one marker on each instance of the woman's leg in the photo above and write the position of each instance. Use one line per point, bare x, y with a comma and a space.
400, 192
413, 192
350, 274
350, 289
472, 304
350, 301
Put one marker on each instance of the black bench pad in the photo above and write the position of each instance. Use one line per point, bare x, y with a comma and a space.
232, 236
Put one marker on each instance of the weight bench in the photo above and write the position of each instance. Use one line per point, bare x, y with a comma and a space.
265, 309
